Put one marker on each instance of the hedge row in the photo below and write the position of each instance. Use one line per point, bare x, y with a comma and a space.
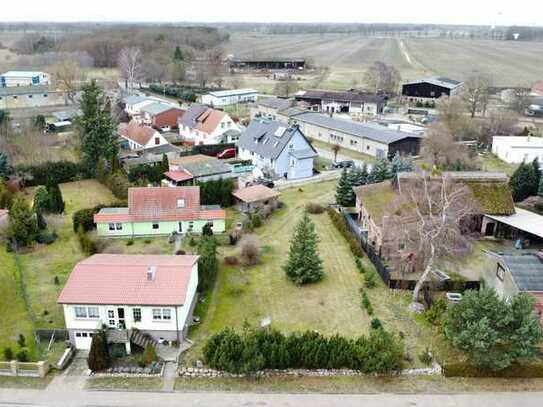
83, 219
250, 351
459, 369
57, 172
339, 222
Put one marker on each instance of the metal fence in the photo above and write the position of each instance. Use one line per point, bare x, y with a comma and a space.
51, 335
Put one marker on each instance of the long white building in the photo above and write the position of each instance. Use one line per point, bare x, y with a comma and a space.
515, 150
24, 78
229, 97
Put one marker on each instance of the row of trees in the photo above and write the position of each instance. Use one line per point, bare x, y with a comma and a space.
526, 181
250, 351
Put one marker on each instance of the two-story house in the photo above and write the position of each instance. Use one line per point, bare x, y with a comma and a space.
160, 211
161, 116
204, 125
137, 136
150, 294
278, 150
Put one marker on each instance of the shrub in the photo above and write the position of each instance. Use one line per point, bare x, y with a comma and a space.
180, 252
22, 356
235, 236
314, 208
58, 172
87, 244
435, 314
218, 192
370, 280
376, 323
130, 242
46, 237
192, 241
207, 263
8, 353
265, 211
341, 226
463, 369
84, 218
147, 241
256, 220
56, 280
250, 250
149, 355
231, 260
99, 358
21, 341
118, 184
207, 230
426, 357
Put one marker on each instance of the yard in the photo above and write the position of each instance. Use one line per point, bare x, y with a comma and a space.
247, 295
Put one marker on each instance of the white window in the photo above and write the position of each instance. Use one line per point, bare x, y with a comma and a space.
118, 226
162, 314
191, 226
155, 225
111, 227
136, 313
80, 312
181, 203
166, 314
157, 314
93, 312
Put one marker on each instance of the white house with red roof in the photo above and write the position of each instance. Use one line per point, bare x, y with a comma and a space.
141, 137
160, 211
131, 295
204, 125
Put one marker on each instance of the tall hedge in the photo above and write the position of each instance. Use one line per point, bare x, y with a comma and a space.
57, 172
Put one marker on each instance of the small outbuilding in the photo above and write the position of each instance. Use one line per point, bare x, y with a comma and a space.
253, 198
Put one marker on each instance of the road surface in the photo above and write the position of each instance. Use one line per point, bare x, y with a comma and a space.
80, 398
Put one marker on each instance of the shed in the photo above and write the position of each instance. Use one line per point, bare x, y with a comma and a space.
253, 198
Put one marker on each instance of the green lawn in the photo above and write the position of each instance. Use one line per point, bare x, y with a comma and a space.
247, 295
345, 152
489, 162
124, 383
25, 382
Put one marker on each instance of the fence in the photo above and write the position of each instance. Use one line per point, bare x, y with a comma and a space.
24, 369
324, 176
51, 335
449, 285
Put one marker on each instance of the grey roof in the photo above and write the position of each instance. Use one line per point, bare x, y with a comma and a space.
65, 115
206, 166
157, 108
133, 99
163, 149
438, 81
192, 113
527, 271
346, 96
275, 103
267, 137
302, 154
114, 211
24, 90
370, 131
233, 92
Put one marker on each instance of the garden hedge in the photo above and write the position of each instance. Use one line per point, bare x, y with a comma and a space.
57, 172
460, 369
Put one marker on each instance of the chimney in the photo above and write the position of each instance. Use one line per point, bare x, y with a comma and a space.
151, 273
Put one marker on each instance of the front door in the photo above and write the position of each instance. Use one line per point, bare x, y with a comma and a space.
489, 230
120, 318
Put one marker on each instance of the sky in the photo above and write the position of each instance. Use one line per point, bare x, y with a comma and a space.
480, 12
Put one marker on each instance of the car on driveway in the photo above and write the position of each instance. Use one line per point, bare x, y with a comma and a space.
227, 153
267, 182
344, 164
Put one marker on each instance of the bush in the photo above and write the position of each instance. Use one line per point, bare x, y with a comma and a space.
118, 184
256, 220
56, 281
85, 217
366, 304
180, 252
235, 236
149, 355
147, 241
435, 314
426, 357
58, 172
21, 341
341, 226
208, 264
99, 358
22, 356
250, 250
359, 265
314, 208
8, 353
87, 244
463, 369
217, 192
376, 323
231, 260
370, 280
46, 237
130, 242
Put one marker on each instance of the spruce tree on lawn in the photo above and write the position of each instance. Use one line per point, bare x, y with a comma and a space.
380, 171
56, 203
98, 355
22, 226
42, 200
304, 264
344, 190
524, 182
207, 263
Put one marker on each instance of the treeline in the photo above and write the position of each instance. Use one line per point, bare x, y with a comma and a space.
250, 351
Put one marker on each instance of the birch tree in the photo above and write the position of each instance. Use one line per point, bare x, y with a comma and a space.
428, 220
130, 65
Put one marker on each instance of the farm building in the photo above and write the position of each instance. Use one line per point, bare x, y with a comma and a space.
516, 150
253, 198
197, 168
351, 102
229, 97
24, 78
131, 296
204, 125
140, 137
367, 138
159, 211
267, 63
267, 108
31, 96
134, 103
277, 150
430, 88
160, 116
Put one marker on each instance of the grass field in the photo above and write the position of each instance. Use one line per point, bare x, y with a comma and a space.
349, 55
246, 295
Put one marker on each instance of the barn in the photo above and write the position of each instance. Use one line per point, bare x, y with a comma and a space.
430, 88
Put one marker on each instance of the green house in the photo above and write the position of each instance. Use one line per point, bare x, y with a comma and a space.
160, 211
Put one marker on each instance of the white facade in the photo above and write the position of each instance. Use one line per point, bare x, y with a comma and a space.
229, 97
199, 137
156, 140
24, 78
134, 109
160, 321
515, 150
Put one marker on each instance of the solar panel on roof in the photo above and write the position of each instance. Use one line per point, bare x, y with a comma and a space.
280, 131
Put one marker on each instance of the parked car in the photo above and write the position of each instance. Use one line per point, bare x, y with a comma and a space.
227, 153
344, 164
267, 182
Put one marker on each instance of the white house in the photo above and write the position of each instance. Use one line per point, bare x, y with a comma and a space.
277, 150
153, 294
133, 104
515, 150
141, 137
24, 78
229, 97
203, 125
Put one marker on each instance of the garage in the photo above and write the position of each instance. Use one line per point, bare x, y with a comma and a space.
83, 339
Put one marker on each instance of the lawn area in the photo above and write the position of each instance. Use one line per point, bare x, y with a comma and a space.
247, 295
344, 152
25, 382
489, 162
124, 383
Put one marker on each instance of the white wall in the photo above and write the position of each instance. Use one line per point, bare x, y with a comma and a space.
216, 135
211, 100
515, 150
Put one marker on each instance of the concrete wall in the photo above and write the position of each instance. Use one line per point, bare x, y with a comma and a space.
32, 100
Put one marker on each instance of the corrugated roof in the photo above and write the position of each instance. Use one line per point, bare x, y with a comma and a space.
526, 270
438, 81
157, 108
524, 220
113, 279
275, 103
24, 90
255, 193
23, 74
233, 92
200, 165
347, 96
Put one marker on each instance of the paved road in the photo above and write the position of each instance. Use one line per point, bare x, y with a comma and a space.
46, 398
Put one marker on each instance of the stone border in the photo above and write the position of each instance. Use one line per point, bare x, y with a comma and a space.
127, 375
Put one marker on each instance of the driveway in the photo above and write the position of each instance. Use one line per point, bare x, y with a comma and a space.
329, 155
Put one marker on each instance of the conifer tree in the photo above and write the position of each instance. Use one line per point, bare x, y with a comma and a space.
22, 226
178, 54
98, 355
399, 164
537, 170
165, 165
524, 182
56, 203
42, 200
40, 220
344, 190
380, 171
304, 264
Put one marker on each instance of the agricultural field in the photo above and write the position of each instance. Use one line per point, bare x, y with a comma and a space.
348, 56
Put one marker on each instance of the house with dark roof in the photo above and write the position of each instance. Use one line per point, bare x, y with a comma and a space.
277, 149
267, 108
352, 102
203, 125
161, 116
138, 136
513, 274
430, 88
366, 138
159, 211
142, 299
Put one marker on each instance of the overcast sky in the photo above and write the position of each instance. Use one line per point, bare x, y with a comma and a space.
486, 12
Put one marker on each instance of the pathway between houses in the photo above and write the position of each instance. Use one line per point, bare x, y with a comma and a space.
168, 379
73, 378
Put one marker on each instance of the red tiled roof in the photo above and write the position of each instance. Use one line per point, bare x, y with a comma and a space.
122, 279
255, 193
138, 133
178, 176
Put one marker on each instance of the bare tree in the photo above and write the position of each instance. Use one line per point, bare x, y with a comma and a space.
286, 88
499, 123
452, 115
476, 92
429, 215
441, 149
382, 77
68, 75
520, 99
130, 65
